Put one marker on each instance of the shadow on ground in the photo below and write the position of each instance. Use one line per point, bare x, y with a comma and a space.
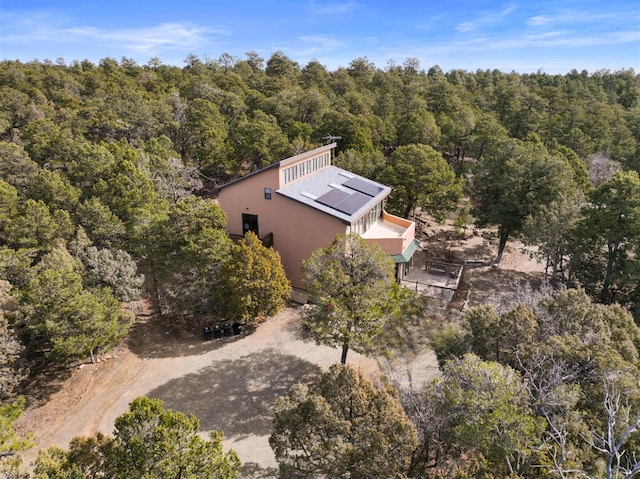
492, 285
236, 396
251, 470
42, 383
158, 338
147, 338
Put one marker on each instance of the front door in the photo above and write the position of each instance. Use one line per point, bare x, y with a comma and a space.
250, 223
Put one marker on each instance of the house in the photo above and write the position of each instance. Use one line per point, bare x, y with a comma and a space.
300, 204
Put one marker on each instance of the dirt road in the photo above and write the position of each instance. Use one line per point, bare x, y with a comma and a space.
229, 384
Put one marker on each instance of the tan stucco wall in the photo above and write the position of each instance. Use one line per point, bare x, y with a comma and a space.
408, 235
247, 196
297, 229
393, 243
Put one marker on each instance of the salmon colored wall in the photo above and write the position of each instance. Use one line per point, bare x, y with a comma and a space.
396, 244
389, 245
247, 196
297, 229
410, 232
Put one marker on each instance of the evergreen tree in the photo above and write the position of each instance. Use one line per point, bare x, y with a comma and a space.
149, 441
343, 426
351, 285
252, 281
513, 183
73, 322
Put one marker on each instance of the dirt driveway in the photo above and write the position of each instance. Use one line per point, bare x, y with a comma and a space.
229, 384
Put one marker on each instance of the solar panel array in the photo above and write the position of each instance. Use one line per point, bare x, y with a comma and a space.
362, 186
332, 198
353, 203
340, 200
350, 202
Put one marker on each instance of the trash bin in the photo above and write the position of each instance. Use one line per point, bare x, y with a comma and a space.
207, 332
236, 328
217, 332
226, 329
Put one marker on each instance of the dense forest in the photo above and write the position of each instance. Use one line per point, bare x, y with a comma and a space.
105, 171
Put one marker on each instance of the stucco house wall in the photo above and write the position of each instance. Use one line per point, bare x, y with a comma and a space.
301, 231
390, 238
297, 229
248, 197
309, 202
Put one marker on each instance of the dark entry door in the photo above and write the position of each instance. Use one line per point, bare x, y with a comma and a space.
250, 223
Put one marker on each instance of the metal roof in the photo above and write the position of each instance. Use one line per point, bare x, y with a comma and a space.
337, 192
407, 254
278, 164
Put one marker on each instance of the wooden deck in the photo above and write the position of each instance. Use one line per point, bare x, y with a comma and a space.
440, 280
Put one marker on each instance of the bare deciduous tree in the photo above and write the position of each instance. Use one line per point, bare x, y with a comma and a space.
622, 423
601, 167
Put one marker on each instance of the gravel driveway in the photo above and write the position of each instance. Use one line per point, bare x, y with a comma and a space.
230, 384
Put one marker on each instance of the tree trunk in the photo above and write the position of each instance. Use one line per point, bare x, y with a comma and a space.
504, 236
345, 350
409, 209
154, 287
481, 150
606, 284
546, 267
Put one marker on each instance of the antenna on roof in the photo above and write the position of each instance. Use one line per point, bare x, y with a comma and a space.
331, 138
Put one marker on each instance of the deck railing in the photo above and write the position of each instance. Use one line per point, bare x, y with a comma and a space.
445, 269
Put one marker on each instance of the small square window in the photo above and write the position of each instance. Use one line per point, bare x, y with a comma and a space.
267, 193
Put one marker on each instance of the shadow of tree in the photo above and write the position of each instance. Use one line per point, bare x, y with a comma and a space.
492, 285
150, 338
157, 338
44, 382
251, 470
236, 396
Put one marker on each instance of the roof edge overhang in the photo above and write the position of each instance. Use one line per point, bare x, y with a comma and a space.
217, 190
342, 220
316, 151
407, 254
277, 164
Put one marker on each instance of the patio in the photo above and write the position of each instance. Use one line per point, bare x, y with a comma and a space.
435, 279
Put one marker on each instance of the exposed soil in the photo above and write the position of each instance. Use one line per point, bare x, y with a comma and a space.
481, 284
231, 383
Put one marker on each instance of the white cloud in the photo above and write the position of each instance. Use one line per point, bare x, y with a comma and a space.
564, 17
485, 19
150, 39
307, 46
43, 27
316, 44
336, 8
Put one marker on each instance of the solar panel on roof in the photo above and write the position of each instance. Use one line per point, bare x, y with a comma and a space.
362, 186
353, 203
344, 202
332, 198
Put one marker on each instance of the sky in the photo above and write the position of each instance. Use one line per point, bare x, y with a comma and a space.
552, 36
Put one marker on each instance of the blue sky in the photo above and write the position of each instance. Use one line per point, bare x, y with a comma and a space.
554, 36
